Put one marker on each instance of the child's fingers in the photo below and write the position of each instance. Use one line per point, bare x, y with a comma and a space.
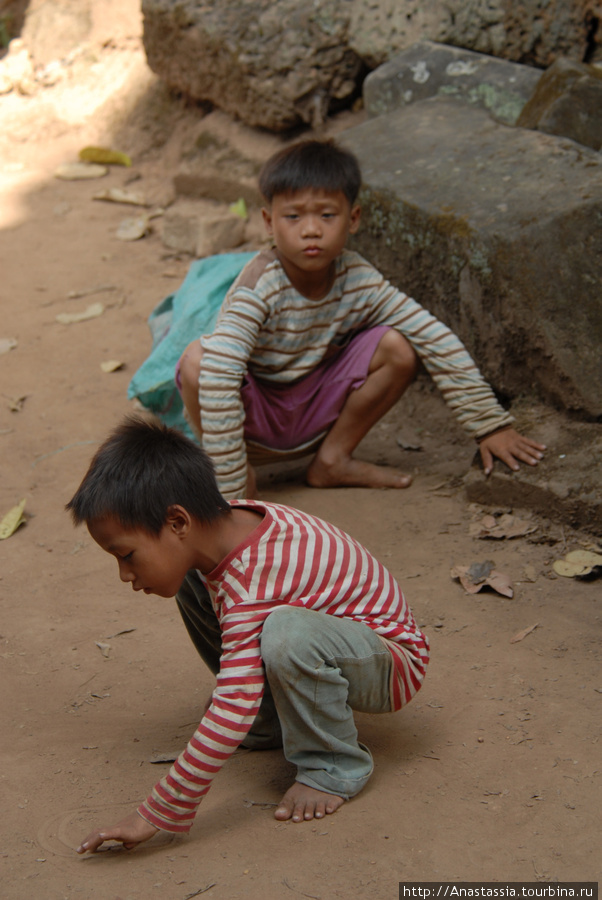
512, 448
130, 831
92, 842
486, 458
535, 445
527, 451
532, 457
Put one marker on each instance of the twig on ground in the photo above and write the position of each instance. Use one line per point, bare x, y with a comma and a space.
297, 891
200, 891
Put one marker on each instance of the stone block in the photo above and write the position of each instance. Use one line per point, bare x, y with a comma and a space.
272, 64
281, 63
429, 70
218, 165
203, 181
201, 229
180, 227
222, 231
567, 101
496, 230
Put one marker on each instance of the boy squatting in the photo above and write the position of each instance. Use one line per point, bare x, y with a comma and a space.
313, 346
299, 623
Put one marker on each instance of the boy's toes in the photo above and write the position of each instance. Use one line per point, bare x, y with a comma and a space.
333, 803
298, 812
303, 812
302, 803
284, 810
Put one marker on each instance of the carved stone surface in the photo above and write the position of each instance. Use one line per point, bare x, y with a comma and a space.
496, 230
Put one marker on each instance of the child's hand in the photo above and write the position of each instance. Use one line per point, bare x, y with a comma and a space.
131, 831
511, 447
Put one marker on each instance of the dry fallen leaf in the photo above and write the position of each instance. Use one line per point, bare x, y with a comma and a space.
501, 584
111, 365
105, 649
15, 404
11, 521
92, 312
239, 208
105, 156
119, 195
476, 576
80, 171
98, 289
504, 526
577, 563
590, 545
7, 344
133, 229
523, 634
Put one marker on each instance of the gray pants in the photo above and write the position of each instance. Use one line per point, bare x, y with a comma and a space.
319, 668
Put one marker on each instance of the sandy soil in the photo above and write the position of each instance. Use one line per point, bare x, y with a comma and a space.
491, 773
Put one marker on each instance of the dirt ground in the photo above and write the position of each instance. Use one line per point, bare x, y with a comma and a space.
492, 773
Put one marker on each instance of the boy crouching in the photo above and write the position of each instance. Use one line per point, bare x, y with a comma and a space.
300, 624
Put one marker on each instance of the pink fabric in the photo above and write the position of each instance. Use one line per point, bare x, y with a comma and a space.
284, 416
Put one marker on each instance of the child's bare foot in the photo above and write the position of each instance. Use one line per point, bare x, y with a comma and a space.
302, 802
350, 472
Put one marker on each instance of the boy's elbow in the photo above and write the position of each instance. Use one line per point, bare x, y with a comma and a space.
190, 363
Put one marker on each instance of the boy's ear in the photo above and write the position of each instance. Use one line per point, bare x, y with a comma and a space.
267, 219
178, 519
354, 218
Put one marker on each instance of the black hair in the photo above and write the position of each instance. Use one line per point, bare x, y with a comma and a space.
321, 165
141, 470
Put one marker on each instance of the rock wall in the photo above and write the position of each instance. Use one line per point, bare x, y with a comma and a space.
532, 31
272, 64
279, 63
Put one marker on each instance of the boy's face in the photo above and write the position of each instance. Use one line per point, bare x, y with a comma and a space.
155, 564
310, 227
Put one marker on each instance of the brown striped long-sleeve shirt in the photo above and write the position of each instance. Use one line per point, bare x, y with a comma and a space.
266, 326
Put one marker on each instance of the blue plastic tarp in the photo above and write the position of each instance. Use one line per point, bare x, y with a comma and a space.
174, 323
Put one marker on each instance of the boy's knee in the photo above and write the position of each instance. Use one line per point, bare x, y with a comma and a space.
190, 363
400, 352
281, 634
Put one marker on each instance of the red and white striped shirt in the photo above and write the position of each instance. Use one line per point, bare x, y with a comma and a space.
291, 558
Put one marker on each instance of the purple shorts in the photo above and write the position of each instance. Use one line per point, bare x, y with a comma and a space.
286, 416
